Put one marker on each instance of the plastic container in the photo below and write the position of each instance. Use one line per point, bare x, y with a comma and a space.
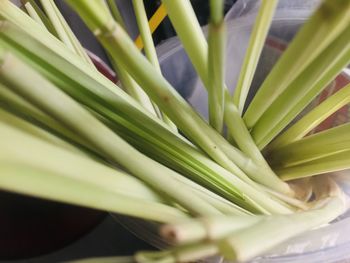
329, 243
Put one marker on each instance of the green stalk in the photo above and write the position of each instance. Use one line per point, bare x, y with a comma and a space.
333, 163
187, 27
271, 231
313, 147
38, 15
51, 185
117, 42
325, 25
149, 48
312, 119
206, 229
34, 130
115, 13
187, 253
217, 201
30, 150
255, 46
63, 30
239, 132
303, 90
132, 88
216, 66
33, 14
16, 105
99, 94
46, 96
128, 83
115, 108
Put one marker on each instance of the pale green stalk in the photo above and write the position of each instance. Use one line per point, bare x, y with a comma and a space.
206, 229
16, 105
271, 231
313, 147
208, 174
115, 13
64, 68
46, 96
63, 30
187, 253
187, 27
216, 65
38, 15
29, 128
239, 132
325, 25
128, 83
117, 42
333, 163
303, 90
33, 14
29, 149
149, 48
115, 105
132, 88
51, 185
217, 201
256, 43
312, 119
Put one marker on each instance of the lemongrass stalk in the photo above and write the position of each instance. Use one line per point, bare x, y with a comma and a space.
187, 253
271, 231
33, 14
99, 94
33, 130
256, 43
153, 23
47, 97
118, 43
31, 149
312, 119
16, 105
152, 129
206, 229
132, 88
313, 147
63, 30
113, 37
51, 185
149, 48
9, 12
303, 90
56, 22
187, 27
222, 204
209, 174
128, 83
239, 132
329, 164
325, 25
216, 65
115, 13
38, 15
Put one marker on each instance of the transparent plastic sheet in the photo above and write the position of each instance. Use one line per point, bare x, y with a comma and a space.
329, 243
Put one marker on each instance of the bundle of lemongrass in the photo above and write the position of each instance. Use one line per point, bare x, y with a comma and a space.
71, 135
